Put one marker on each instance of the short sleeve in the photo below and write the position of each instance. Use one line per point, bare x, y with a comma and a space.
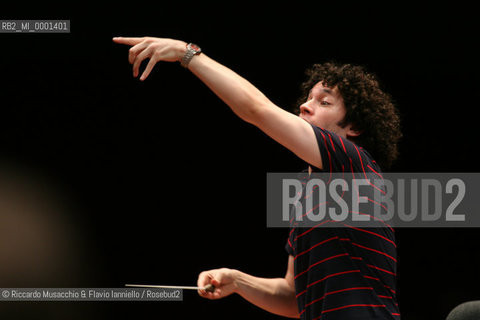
289, 247
341, 155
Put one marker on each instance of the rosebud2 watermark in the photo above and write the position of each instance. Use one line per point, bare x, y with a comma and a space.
373, 200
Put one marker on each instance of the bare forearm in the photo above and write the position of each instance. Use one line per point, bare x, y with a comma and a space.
273, 295
239, 94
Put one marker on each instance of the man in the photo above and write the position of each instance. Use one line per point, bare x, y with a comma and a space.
332, 273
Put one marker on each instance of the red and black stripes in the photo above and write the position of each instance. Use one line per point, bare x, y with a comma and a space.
342, 270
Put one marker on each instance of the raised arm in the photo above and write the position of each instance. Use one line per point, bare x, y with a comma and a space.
245, 100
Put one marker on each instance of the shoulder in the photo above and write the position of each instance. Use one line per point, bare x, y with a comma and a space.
341, 154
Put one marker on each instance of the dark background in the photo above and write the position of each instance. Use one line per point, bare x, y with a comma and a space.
159, 180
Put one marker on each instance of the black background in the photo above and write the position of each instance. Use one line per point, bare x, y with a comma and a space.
163, 181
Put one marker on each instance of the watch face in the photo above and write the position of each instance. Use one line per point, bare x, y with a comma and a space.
195, 47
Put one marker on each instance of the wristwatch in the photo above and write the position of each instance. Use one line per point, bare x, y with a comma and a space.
192, 50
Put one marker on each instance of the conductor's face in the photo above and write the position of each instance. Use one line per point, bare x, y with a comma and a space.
325, 109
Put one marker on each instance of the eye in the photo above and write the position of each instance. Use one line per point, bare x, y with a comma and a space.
325, 103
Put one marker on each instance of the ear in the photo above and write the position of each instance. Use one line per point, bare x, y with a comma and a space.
352, 132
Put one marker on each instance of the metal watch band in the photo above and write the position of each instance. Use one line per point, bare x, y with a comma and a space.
192, 50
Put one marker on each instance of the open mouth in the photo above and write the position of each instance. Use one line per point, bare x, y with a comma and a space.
304, 116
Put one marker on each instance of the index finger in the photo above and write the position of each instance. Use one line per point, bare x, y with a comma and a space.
204, 278
127, 41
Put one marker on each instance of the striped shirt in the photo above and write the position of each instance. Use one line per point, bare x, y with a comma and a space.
344, 271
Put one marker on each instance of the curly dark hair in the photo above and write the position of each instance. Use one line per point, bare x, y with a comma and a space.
369, 109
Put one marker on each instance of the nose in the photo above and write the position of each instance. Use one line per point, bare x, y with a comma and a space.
305, 109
